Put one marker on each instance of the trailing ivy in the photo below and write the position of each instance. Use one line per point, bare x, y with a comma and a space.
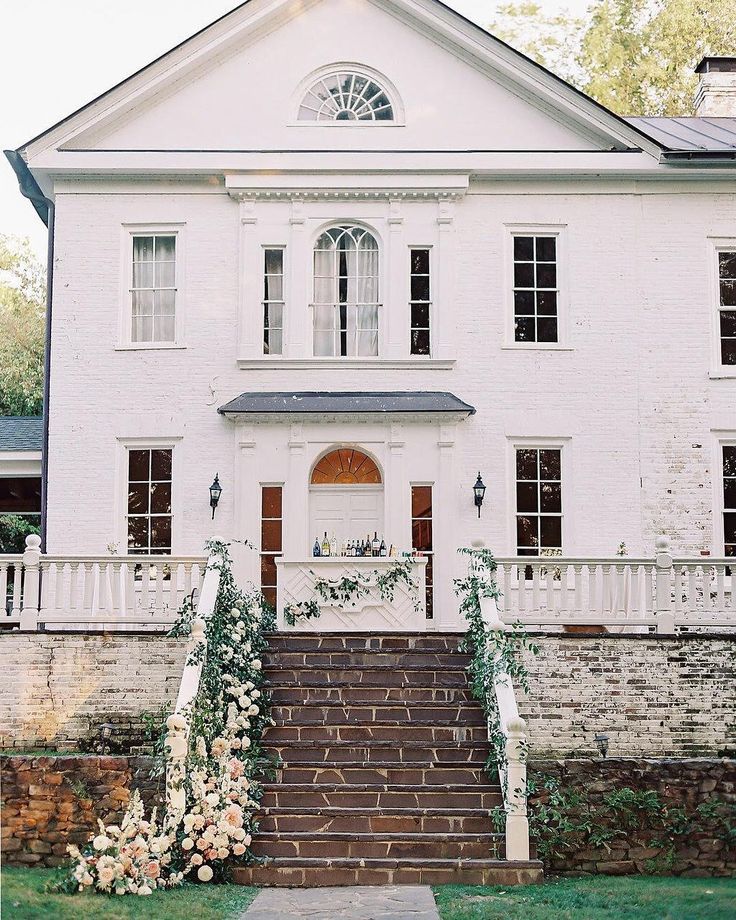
564, 821
349, 589
495, 653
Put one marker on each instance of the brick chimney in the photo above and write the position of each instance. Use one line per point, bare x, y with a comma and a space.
716, 95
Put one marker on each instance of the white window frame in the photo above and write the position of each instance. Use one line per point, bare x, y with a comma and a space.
559, 232
563, 444
284, 293
376, 76
432, 300
722, 439
120, 505
125, 337
716, 245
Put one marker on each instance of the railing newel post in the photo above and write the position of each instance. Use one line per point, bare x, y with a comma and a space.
31, 583
663, 591
517, 822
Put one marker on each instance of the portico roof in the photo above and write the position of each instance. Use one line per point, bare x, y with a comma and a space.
346, 403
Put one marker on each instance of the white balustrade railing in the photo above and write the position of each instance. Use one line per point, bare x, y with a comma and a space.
659, 592
94, 592
179, 723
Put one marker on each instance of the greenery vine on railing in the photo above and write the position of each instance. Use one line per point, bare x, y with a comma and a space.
351, 587
495, 653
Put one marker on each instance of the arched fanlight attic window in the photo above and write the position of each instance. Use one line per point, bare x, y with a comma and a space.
345, 466
345, 306
346, 95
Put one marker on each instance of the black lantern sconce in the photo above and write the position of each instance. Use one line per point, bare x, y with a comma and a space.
479, 491
601, 742
215, 493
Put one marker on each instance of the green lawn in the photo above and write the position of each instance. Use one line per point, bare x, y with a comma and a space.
600, 898
23, 898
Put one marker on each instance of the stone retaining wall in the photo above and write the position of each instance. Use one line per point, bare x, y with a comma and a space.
682, 784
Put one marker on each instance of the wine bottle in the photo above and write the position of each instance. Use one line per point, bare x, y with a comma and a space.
375, 544
382, 550
333, 544
325, 545
316, 551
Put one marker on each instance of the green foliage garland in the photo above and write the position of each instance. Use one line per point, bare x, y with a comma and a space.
350, 588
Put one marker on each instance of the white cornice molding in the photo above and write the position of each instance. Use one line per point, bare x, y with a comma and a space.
314, 186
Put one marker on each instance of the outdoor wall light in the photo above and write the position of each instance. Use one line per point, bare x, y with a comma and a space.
479, 491
215, 493
601, 742
106, 730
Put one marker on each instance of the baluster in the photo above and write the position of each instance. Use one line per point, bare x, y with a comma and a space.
535, 588
146, 588
549, 588
88, 586
159, 600
563, 588
130, 590
692, 589
17, 587
102, 592
116, 593
173, 602
187, 578
679, 588
578, 600
521, 587
73, 585
720, 573
505, 601
635, 589
4, 587
606, 590
622, 599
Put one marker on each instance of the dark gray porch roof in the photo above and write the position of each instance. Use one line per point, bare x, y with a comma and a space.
21, 432
354, 403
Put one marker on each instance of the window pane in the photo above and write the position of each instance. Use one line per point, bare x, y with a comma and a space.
161, 464
143, 274
421, 501
546, 249
138, 493
165, 248
142, 329
526, 463
163, 328
551, 531
420, 315
546, 276
271, 535
546, 330
138, 465
160, 533
420, 287
420, 261
142, 248
523, 275
161, 498
273, 287
524, 329
271, 501
526, 532
549, 463
138, 533
728, 351
524, 303
274, 261
729, 526
729, 493
524, 248
729, 460
550, 497
526, 496
421, 531
728, 323
727, 264
165, 274
546, 303
420, 342
268, 570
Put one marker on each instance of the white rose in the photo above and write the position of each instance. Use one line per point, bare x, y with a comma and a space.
212, 798
187, 843
204, 873
250, 685
223, 853
105, 876
196, 859
244, 702
101, 842
256, 694
144, 889
256, 664
245, 743
247, 840
253, 710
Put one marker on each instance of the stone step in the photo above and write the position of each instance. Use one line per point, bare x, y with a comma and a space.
398, 732
379, 846
366, 641
414, 753
346, 820
412, 658
439, 714
421, 774
371, 675
348, 694
302, 872
336, 795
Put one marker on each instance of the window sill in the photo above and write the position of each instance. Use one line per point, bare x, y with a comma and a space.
536, 346
723, 373
272, 363
150, 346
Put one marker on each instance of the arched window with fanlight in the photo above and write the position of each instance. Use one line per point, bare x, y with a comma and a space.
346, 96
345, 307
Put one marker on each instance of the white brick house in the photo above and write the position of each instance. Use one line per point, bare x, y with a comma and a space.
413, 210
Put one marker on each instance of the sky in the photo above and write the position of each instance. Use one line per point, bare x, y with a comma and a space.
56, 55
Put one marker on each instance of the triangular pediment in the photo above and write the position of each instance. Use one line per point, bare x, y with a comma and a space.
236, 86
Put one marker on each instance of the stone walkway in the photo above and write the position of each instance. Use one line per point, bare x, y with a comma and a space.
388, 902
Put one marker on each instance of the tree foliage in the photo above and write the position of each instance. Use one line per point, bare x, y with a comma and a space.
635, 56
22, 309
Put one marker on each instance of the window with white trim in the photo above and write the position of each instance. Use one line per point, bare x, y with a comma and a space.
273, 301
345, 307
727, 307
153, 288
420, 304
149, 511
538, 501
536, 288
729, 499
346, 96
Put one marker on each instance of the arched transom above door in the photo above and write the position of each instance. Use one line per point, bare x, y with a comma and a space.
345, 466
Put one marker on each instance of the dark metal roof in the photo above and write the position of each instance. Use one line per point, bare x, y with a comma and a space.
345, 402
690, 134
717, 63
21, 432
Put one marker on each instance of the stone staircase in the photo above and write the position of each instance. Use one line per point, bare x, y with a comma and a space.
382, 778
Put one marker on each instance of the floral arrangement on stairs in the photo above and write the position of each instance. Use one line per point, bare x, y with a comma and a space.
223, 763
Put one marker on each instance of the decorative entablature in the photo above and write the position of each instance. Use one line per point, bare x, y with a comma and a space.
246, 187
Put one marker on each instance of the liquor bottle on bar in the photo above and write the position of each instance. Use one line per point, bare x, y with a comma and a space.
325, 545
316, 551
375, 545
333, 544
382, 551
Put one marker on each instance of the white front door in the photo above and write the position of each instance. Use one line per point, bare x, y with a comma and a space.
350, 512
